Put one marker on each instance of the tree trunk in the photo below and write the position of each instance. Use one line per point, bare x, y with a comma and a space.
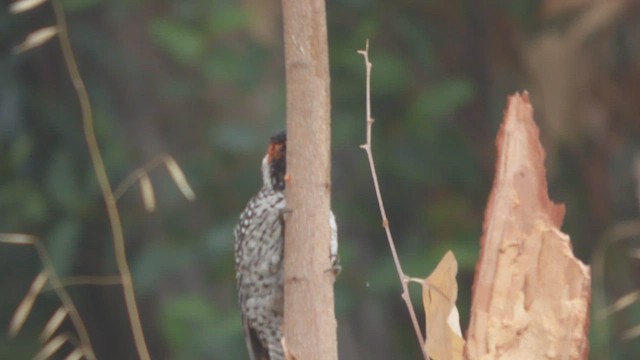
309, 322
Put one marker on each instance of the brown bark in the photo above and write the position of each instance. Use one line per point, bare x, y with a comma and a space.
531, 295
309, 323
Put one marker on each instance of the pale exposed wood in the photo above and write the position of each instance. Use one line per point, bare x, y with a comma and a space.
309, 320
531, 295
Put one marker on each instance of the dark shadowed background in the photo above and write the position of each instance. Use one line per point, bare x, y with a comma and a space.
203, 80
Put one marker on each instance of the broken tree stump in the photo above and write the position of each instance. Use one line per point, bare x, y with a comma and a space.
530, 295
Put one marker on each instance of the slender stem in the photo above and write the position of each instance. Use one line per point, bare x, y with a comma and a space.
385, 222
100, 280
105, 186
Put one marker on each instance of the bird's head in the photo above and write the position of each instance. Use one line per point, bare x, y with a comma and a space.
274, 164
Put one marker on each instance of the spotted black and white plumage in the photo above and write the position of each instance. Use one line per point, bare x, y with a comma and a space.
259, 244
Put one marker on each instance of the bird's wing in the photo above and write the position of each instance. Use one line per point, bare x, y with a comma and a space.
255, 348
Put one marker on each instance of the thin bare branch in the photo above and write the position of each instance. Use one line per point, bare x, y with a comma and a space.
105, 185
404, 279
100, 280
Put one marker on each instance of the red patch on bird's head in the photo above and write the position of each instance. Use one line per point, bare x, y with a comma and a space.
277, 160
276, 152
277, 148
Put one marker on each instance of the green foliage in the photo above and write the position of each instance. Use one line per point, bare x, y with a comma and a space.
185, 44
227, 19
195, 330
391, 74
63, 245
160, 262
80, 5
61, 181
441, 99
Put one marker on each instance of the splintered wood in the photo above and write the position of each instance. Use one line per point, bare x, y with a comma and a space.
530, 295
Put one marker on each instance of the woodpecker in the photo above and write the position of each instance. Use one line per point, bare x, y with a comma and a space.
259, 244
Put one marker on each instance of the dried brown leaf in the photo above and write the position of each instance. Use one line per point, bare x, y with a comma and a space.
439, 294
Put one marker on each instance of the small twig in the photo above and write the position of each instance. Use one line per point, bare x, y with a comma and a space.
105, 186
404, 279
99, 280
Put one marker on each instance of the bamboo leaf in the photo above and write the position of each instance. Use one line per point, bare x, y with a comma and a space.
631, 333
53, 324
148, 197
17, 239
24, 308
24, 5
51, 347
623, 302
76, 354
178, 177
36, 39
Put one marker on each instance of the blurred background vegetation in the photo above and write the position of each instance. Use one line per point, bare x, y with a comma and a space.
203, 80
